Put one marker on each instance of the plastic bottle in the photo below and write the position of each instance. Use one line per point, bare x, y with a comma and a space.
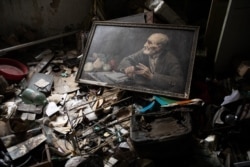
30, 96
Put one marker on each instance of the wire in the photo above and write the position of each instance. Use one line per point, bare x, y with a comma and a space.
25, 162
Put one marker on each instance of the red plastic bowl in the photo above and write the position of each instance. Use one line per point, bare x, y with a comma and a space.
12, 70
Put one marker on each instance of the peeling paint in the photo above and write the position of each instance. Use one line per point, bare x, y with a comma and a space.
1, 7
55, 4
43, 16
36, 18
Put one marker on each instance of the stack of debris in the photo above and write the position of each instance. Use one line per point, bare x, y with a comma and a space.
47, 118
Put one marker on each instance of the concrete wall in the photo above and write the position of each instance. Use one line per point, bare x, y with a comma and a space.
46, 17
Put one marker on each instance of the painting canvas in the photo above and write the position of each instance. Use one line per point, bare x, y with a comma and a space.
150, 58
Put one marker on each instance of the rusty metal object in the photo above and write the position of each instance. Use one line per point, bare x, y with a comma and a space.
5, 50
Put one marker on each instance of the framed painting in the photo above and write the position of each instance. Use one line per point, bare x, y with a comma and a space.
149, 58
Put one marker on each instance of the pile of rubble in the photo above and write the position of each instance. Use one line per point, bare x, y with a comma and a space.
47, 119
48, 105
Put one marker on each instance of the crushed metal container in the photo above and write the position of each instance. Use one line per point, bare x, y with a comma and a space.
161, 134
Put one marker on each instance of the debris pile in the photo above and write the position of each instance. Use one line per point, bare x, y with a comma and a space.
48, 119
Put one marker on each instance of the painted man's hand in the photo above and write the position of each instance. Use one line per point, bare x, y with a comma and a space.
144, 71
130, 71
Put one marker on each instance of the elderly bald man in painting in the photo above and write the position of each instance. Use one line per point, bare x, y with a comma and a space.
154, 66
